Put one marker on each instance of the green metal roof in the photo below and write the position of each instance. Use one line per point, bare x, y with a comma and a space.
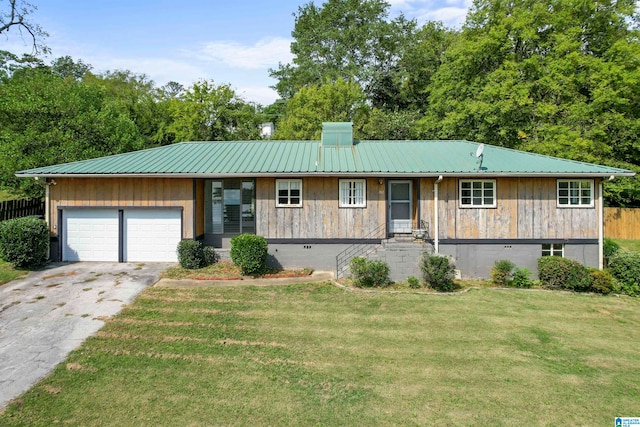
371, 158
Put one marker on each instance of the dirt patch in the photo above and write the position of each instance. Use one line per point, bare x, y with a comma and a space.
51, 389
70, 273
74, 367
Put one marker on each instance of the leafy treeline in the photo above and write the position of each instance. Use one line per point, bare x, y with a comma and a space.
557, 77
63, 112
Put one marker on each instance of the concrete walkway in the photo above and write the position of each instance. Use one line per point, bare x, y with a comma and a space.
316, 276
46, 315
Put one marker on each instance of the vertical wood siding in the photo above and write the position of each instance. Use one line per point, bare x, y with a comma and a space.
319, 217
123, 193
526, 209
199, 207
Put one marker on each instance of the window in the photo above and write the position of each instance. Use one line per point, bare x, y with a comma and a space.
575, 193
553, 249
352, 193
478, 193
288, 192
229, 206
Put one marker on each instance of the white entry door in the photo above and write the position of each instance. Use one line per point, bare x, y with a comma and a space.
400, 206
151, 235
90, 235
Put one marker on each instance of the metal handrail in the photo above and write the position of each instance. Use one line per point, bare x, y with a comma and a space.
344, 257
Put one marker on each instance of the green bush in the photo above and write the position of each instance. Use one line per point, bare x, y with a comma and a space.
624, 266
24, 242
369, 273
249, 252
521, 278
501, 272
601, 281
413, 282
562, 273
438, 272
210, 255
191, 254
609, 248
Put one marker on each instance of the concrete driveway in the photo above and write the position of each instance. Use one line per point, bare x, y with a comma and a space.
51, 312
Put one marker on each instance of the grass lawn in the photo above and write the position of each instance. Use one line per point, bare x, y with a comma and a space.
8, 273
314, 354
630, 245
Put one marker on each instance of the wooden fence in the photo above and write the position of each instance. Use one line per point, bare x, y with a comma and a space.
23, 207
622, 223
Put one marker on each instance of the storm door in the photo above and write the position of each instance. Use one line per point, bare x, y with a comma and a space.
400, 207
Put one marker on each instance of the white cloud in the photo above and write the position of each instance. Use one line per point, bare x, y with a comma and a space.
450, 16
160, 70
258, 94
264, 53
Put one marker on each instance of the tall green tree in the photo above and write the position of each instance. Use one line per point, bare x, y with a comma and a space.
339, 101
210, 112
558, 77
47, 119
348, 39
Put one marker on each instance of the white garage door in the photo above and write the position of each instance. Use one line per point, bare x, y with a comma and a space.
152, 235
90, 235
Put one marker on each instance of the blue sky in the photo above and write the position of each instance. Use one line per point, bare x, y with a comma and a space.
232, 42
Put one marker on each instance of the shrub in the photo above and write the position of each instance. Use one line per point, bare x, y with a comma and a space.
501, 272
521, 278
210, 255
438, 272
601, 282
609, 248
562, 273
249, 252
625, 268
413, 282
369, 273
191, 254
24, 242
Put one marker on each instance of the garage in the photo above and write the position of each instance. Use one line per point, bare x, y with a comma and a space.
125, 235
151, 235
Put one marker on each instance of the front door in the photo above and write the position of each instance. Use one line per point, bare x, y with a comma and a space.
400, 207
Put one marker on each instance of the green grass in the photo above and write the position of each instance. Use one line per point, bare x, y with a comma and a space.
8, 273
314, 354
630, 245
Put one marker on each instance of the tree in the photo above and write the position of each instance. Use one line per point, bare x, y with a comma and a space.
348, 39
340, 101
209, 112
65, 66
47, 119
16, 17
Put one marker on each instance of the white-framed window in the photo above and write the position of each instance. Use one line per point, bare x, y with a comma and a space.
479, 193
575, 192
553, 249
353, 193
289, 193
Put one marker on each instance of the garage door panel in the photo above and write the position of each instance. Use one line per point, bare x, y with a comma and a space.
152, 235
90, 235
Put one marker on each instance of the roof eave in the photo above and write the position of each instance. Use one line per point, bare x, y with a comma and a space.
321, 173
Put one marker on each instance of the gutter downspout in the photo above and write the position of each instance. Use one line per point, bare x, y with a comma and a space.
436, 222
47, 214
601, 222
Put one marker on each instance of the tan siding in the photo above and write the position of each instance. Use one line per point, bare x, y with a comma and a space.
122, 193
199, 207
320, 216
526, 209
